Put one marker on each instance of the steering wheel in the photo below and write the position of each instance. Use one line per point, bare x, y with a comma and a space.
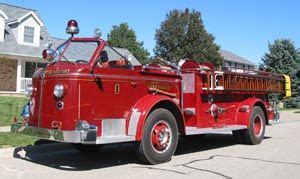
81, 61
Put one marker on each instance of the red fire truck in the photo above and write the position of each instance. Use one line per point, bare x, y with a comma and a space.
90, 94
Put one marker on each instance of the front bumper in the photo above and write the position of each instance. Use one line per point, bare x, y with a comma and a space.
84, 137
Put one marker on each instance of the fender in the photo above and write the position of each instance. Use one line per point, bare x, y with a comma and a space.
244, 110
141, 110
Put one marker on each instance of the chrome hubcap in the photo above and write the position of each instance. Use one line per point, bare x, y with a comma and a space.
161, 136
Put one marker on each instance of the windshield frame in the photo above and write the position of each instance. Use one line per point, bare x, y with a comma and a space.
94, 58
72, 39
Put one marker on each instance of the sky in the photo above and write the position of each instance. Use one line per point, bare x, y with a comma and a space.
242, 27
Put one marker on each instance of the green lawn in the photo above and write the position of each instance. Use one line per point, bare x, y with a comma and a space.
10, 107
8, 139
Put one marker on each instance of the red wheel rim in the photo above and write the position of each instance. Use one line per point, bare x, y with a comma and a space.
161, 136
257, 126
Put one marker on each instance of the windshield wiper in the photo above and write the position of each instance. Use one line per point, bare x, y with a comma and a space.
67, 60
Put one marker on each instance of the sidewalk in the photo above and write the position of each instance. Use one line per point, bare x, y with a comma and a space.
5, 129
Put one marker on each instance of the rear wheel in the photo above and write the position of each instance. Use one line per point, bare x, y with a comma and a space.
160, 137
256, 130
86, 147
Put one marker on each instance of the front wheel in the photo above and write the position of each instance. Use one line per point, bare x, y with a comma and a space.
160, 137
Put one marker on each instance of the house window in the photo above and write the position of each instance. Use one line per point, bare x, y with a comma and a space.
244, 66
31, 67
28, 34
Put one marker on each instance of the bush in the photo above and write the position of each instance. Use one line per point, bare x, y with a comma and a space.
292, 103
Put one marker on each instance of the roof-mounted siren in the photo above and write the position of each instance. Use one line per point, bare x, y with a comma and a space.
72, 27
97, 33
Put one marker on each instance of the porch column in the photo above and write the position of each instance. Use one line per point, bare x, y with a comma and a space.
19, 71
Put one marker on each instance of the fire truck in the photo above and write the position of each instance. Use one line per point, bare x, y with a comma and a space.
90, 94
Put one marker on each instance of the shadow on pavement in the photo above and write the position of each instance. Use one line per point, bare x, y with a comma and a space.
62, 155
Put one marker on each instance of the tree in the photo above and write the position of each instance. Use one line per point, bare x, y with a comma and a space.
298, 65
124, 37
182, 35
298, 70
281, 59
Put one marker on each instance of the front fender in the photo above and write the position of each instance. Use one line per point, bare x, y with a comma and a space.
141, 110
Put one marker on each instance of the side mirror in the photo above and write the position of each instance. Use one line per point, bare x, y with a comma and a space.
103, 56
49, 54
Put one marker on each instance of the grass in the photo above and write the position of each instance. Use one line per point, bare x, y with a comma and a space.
289, 109
10, 107
8, 139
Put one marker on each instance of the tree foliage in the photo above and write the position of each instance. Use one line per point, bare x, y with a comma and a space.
281, 59
124, 37
298, 65
183, 35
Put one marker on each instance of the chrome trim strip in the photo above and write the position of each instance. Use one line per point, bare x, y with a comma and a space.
118, 77
79, 102
134, 120
114, 139
40, 98
195, 130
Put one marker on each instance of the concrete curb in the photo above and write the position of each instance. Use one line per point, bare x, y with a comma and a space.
6, 152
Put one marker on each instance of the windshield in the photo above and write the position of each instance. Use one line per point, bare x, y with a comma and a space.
76, 51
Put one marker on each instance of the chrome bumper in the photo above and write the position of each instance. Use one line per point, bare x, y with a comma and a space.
85, 137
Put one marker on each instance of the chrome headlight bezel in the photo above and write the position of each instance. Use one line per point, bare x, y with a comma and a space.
59, 90
29, 90
82, 125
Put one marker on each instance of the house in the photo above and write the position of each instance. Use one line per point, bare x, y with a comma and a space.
22, 39
234, 61
23, 36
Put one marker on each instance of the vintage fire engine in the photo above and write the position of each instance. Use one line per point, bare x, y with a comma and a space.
90, 94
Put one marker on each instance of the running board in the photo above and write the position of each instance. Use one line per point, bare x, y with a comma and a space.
114, 139
195, 130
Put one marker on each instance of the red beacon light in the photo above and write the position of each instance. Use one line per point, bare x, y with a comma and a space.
72, 27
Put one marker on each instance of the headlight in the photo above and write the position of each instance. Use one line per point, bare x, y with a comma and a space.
29, 90
58, 90
82, 126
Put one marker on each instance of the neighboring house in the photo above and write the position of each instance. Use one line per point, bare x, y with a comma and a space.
23, 36
234, 61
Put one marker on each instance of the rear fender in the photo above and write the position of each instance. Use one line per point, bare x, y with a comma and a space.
140, 112
245, 108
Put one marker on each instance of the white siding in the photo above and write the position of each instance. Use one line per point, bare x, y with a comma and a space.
2, 26
29, 22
